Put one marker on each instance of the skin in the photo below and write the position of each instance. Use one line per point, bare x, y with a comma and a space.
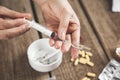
60, 18
12, 23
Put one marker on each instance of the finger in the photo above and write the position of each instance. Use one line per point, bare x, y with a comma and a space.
58, 44
75, 41
64, 22
66, 46
11, 23
52, 42
13, 14
14, 32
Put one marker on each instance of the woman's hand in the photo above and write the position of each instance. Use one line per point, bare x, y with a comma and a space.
60, 17
11, 23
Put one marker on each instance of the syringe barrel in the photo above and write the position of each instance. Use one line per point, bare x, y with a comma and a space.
43, 30
40, 28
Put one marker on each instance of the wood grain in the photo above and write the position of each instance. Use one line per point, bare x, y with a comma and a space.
105, 23
13, 53
40, 17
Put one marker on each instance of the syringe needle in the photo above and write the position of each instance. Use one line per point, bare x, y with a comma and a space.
80, 47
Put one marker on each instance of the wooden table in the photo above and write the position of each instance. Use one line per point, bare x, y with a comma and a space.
100, 31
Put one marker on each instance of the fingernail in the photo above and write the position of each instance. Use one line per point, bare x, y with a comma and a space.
27, 15
52, 43
27, 26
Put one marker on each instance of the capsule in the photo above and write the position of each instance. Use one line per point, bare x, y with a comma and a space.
72, 60
80, 52
83, 53
76, 62
87, 57
89, 53
82, 61
90, 74
90, 63
86, 78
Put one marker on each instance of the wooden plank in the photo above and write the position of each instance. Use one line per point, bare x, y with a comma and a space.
69, 72
105, 23
13, 53
40, 18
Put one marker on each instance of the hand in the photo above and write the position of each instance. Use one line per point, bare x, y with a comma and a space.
60, 17
11, 23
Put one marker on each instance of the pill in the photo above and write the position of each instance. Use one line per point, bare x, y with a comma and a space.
80, 52
83, 53
72, 60
89, 53
86, 78
82, 61
76, 62
90, 74
90, 63
87, 57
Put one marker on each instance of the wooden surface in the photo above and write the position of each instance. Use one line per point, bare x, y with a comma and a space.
99, 30
104, 22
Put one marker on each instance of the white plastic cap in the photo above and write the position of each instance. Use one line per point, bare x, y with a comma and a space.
38, 50
116, 6
118, 51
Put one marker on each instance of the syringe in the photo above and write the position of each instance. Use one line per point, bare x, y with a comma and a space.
53, 35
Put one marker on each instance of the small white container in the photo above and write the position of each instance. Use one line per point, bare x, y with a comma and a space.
40, 49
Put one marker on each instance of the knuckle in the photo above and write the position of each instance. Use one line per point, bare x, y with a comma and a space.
67, 11
7, 24
78, 26
3, 24
78, 23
